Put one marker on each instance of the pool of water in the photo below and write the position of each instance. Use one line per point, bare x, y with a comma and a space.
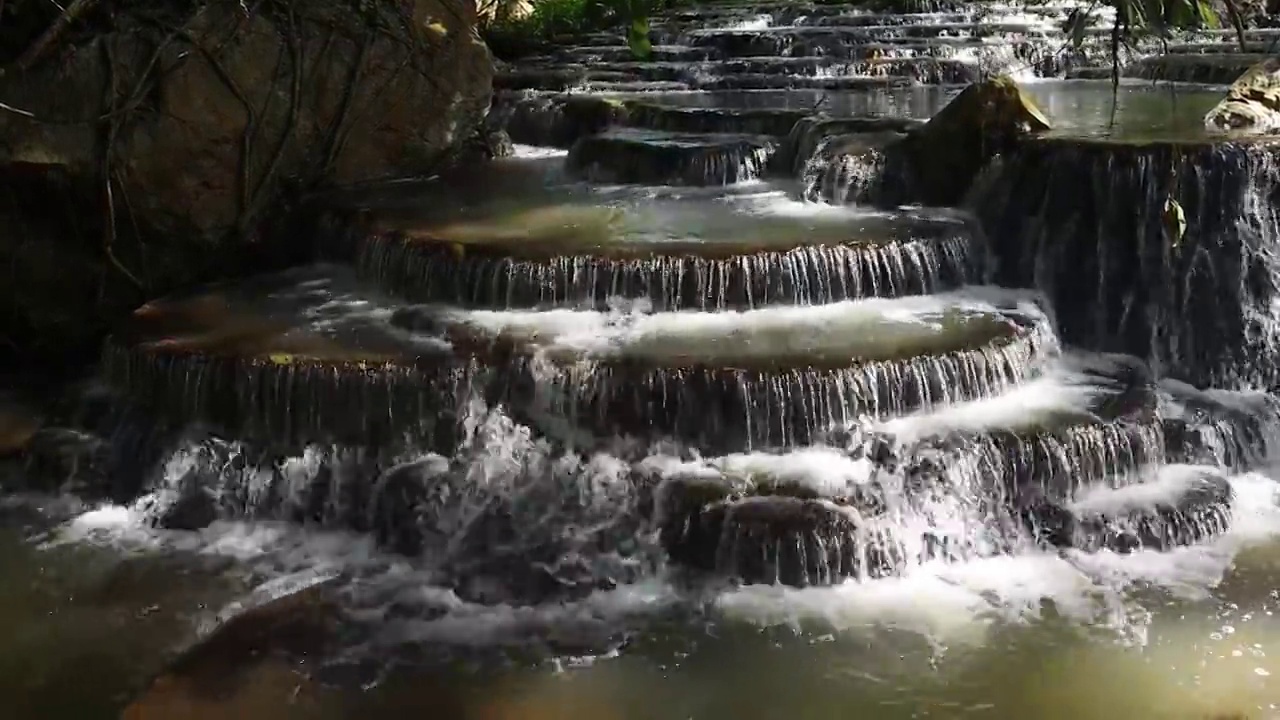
1188, 635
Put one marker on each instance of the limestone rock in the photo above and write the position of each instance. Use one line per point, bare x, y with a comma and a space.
936, 164
203, 119
1252, 103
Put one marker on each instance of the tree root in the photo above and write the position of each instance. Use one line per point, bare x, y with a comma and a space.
37, 49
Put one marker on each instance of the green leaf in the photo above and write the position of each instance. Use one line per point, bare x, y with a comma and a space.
638, 38
1208, 16
1175, 222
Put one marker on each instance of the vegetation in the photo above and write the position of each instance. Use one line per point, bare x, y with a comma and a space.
549, 18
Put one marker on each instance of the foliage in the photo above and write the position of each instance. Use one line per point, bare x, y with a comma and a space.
549, 18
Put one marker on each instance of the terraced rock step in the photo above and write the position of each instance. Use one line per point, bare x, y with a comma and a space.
778, 540
1214, 69
634, 155
1087, 420
298, 356
675, 254
1179, 505
771, 377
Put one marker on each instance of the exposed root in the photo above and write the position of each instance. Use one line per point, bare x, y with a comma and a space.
36, 51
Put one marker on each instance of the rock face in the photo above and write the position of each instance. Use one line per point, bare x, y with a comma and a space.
1253, 102
201, 120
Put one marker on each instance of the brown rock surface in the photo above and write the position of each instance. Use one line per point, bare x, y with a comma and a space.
253, 666
203, 120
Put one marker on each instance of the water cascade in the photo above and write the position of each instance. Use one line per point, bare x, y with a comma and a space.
704, 342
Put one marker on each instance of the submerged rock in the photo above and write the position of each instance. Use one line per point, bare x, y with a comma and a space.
1253, 102
258, 664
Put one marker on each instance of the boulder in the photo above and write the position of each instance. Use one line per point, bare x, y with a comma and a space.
937, 164
1252, 103
203, 117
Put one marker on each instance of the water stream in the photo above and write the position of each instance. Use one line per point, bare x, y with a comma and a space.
676, 447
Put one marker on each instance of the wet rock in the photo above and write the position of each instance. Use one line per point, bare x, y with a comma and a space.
1217, 427
557, 120
1192, 307
19, 423
938, 163
401, 498
259, 663
781, 540
206, 136
565, 256
1252, 103
631, 155
1184, 506
1209, 69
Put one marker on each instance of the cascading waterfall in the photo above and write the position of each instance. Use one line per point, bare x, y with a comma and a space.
1201, 307
689, 353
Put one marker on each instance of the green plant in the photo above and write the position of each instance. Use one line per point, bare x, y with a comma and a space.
548, 18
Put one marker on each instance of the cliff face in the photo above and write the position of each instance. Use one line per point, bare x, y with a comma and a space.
159, 147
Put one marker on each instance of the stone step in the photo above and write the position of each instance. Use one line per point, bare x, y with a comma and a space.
292, 357
1177, 505
713, 253
639, 155
1088, 419
745, 73
763, 378
1214, 69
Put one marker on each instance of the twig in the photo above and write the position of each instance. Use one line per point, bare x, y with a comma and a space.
335, 142
1237, 20
298, 59
109, 232
251, 123
54, 31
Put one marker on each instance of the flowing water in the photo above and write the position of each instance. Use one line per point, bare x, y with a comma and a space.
567, 449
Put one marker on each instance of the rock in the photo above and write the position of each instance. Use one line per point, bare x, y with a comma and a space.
1252, 103
937, 164
253, 666
211, 124
934, 164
